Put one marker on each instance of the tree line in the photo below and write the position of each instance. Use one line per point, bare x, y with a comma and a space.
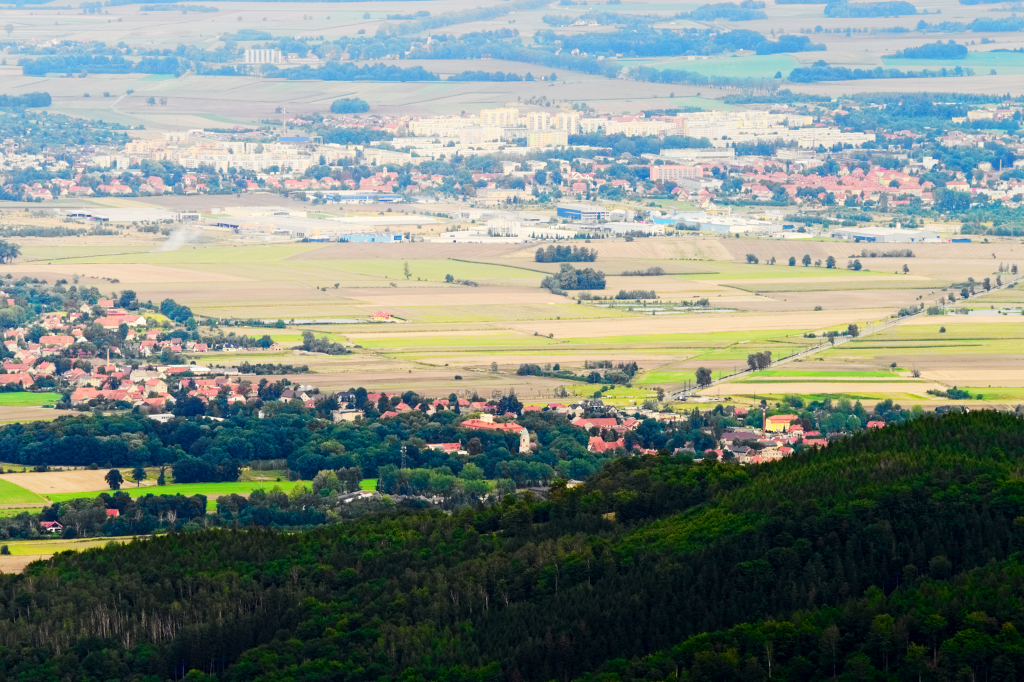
565, 254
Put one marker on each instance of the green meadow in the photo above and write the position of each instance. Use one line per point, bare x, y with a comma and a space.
754, 66
188, 489
921, 339
19, 399
981, 62
238, 488
801, 373
15, 494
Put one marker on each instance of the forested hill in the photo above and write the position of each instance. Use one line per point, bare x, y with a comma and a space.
888, 556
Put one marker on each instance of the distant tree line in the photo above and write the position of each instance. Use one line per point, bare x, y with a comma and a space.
655, 271
891, 8
496, 76
821, 71
745, 11
263, 368
26, 101
937, 50
631, 294
565, 254
100, 64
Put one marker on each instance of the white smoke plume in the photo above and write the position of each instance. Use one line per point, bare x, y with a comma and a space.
180, 237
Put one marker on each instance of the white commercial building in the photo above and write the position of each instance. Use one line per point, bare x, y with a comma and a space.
263, 56
885, 235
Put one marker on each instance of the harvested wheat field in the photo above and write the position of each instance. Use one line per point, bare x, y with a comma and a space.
46, 482
17, 564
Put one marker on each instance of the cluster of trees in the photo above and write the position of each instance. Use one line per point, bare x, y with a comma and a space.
953, 394
565, 254
635, 294
614, 373
762, 360
349, 105
822, 71
26, 101
264, 368
469, 485
175, 311
322, 345
747, 10
569, 278
812, 567
886, 8
936, 50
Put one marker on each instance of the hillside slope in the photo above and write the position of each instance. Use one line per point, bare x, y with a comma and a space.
839, 560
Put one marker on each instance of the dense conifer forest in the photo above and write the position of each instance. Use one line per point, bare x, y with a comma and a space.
892, 555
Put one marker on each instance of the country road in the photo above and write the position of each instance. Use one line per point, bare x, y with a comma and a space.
840, 340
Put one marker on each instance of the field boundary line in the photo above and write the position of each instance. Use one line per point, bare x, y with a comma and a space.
502, 265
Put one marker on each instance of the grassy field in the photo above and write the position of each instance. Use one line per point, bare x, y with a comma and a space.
14, 494
208, 489
1003, 62
239, 488
14, 512
772, 373
755, 66
22, 399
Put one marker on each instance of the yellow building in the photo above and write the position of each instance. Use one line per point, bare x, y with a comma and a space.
779, 423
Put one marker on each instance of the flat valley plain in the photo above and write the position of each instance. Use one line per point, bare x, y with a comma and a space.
194, 101
446, 337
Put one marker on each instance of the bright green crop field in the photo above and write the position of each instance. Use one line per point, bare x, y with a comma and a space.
24, 399
15, 494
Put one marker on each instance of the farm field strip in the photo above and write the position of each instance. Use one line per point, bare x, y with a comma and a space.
770, 380
208, 489
11, 493
21, 399
825, 373
831, 285
736, 271
502, 313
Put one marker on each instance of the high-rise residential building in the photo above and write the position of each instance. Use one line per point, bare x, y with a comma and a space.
548, 138
507, 117
675, 172
569, 121
538, 120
